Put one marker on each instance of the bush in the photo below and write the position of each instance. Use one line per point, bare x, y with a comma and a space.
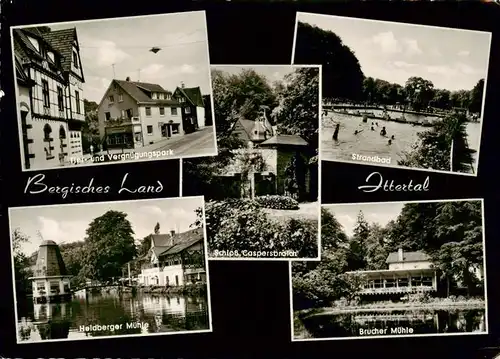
238, 225
277, 202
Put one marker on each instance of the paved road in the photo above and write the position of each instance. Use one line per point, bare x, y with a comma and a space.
199, 143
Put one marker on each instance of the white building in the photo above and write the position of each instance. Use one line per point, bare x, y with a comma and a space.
176, 259
136, 114
49, 78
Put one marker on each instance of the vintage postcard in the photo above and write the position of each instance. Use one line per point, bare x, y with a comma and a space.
262, 190
110, 269
396, 94
394, 269
113, 90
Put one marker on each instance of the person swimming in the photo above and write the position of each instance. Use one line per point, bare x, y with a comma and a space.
373, 129
389, 142
383, 132
392, 137
355, 132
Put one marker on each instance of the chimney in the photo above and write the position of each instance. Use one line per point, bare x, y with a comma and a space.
127, 79
182, 84
172, 233
400, 254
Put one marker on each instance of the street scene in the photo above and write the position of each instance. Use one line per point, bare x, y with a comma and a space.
89, 90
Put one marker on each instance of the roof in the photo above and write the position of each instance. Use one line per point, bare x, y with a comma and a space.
246, 126
285, 140
138, 91
407, 257
62, 41
182, 241
193, 94
48, 243
49, 261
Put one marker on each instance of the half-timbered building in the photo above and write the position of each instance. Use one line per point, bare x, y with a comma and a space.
49, 79
175, 259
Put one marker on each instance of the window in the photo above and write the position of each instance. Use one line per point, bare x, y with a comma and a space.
162, 111
173, 111
62, 133
34, 42
75, 59
40, 286
150, 129
51, 56
120, 98
111, 99
177, 281
188, 110
148, 111
60, 98
54, 286
77, 99
45, 93
108, 115
47, 130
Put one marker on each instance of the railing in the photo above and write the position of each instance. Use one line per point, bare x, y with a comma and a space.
397, 290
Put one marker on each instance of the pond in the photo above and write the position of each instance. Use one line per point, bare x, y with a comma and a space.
380, 323
369, 142
87, 316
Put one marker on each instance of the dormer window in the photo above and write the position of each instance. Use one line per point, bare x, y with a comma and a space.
168, 96
51, 56
153, 95
35, 43
75, 59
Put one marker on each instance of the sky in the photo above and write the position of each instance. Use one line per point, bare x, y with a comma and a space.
452, 59
126, 43
271, 72
381, 213
68, 223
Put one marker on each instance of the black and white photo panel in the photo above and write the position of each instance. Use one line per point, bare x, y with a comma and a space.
262, 190
113, 90
396, 94
110, 269
393, 269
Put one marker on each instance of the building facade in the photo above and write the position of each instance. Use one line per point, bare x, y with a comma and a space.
175, 259
408, 272
192, 107
49, 79
276, 150
136, 114
50, 281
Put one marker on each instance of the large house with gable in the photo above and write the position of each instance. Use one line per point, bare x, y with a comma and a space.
175, 259
136, 114
49, 79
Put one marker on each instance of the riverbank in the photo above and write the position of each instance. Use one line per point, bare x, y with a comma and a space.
444, 304
198, 289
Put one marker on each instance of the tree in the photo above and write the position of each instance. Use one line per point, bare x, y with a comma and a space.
377, 248
444, 147
298, 110
249, 162
21, 263
157, 228
239, 95
442, 99
450, 232
476, 97
419, 92
357, 244
109, 245
460, 99
73, 255
341, 73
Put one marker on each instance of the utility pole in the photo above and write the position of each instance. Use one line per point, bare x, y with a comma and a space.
113, 66
129, 280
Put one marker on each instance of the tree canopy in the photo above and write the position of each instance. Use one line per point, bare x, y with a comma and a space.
108, 246
341, 72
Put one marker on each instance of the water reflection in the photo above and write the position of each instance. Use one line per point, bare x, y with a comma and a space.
394, 323
109, 314
369, 143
